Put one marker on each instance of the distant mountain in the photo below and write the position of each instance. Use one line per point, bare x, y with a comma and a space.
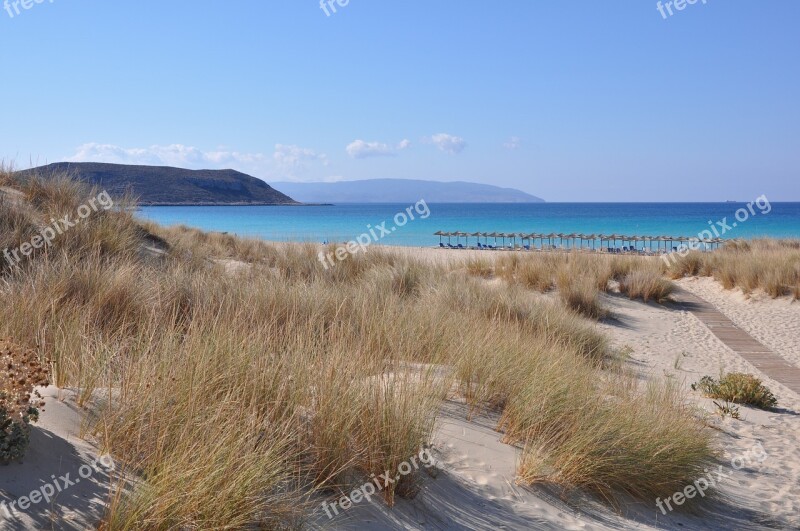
161, 185
403, 191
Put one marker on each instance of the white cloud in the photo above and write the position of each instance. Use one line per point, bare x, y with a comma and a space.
287, 162
292, 158
448, 143
360, 149
171, 155
513, 143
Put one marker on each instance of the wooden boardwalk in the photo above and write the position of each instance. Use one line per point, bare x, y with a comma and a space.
768, 362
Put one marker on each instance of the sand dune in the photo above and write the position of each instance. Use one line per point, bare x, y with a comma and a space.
473, 484
475, 487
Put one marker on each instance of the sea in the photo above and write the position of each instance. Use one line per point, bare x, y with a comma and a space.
414, 224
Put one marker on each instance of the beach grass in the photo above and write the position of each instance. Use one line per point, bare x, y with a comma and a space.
234, 396
770, 265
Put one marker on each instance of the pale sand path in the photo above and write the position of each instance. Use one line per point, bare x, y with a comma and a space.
769, 363
675, 344
773, 322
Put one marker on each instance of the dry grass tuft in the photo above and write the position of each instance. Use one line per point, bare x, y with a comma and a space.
647, 284
581, 295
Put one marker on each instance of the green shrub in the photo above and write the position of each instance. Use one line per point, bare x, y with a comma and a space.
739, 388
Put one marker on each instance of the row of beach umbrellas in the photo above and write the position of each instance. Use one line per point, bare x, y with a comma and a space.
590, 239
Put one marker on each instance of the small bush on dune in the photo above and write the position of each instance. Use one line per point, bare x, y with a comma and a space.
739, 388
20, 373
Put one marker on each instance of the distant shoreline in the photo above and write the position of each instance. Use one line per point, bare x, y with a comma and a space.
233, 204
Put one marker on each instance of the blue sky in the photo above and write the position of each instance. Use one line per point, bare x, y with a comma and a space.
568, 100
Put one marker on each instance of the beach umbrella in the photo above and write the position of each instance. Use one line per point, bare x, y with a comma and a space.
626, 239
439, 234
592, 238
477, 236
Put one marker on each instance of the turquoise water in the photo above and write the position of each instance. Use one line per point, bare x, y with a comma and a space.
349, 221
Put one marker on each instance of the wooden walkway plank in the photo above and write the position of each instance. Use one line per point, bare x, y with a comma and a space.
764, 359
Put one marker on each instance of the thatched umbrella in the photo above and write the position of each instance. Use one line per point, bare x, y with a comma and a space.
477, 236
439, 234
572, 237
625, 239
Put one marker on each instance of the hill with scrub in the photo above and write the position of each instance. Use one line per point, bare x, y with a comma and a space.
164, 185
